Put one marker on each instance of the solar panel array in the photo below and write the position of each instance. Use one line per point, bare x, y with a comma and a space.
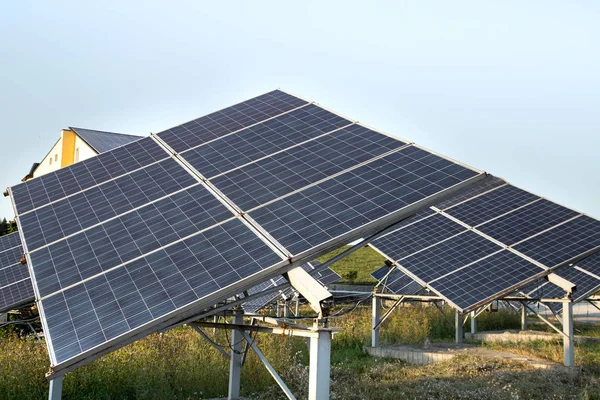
325, 277
15, 284
159, 229
585, 274
479, 248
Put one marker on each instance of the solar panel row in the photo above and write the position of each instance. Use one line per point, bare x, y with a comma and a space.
175, 245
15, 284
468, 268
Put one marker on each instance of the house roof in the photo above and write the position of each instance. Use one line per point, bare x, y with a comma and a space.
104, 141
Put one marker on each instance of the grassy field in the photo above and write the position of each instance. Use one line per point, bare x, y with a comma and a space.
179, 364
360, 264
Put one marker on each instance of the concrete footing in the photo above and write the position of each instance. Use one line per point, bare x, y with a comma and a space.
445, 351
515, 336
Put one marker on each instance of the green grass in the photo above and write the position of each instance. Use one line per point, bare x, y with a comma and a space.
362, 262
179, 364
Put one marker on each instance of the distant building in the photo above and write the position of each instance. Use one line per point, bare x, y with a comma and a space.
77, 144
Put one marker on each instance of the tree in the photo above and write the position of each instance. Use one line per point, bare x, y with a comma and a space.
7, 227
4, 227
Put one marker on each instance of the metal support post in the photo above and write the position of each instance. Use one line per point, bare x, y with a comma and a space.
375, 321
568, 342
235, 360
523, 317
296, 313
458, 327
55, 392
286, 309
473, 323
320, 355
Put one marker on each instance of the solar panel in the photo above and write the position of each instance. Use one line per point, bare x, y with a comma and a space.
563, 242
400, 283
220, 123
586, 283
527, 221
327, 277
319, 213
491, 205
261, 140
485, 185
485, 278
147, 289
85, 174
590, 264
10, 256
380, 273
447, 256
9, 241
126, 237
278, 175
415, 237
15, 285
110, 199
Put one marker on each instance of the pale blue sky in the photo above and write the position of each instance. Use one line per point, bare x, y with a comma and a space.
510, 87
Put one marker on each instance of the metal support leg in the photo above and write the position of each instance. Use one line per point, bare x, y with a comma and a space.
286, 310
55, 388
473, 323
523, 318
320, 355
297, 307
568, 342
375, 321
458, 327
235, 361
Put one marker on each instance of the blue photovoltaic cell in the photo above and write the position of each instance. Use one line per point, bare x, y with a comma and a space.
263, 139
591, 263
10, 256
485, 279
104, 307
85, 174
122, 239
379, 273
527, 221
9, 241
82, 210
412, 238
564, 242
104, 141
16, 294
276, 176
491, 205
484, 185
448, 256
399, 283
586, 284
327, 277
350, 200
220, 123
12, 274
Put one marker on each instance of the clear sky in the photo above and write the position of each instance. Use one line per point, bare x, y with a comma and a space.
510, 87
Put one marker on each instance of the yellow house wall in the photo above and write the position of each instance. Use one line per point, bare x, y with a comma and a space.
68, 147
